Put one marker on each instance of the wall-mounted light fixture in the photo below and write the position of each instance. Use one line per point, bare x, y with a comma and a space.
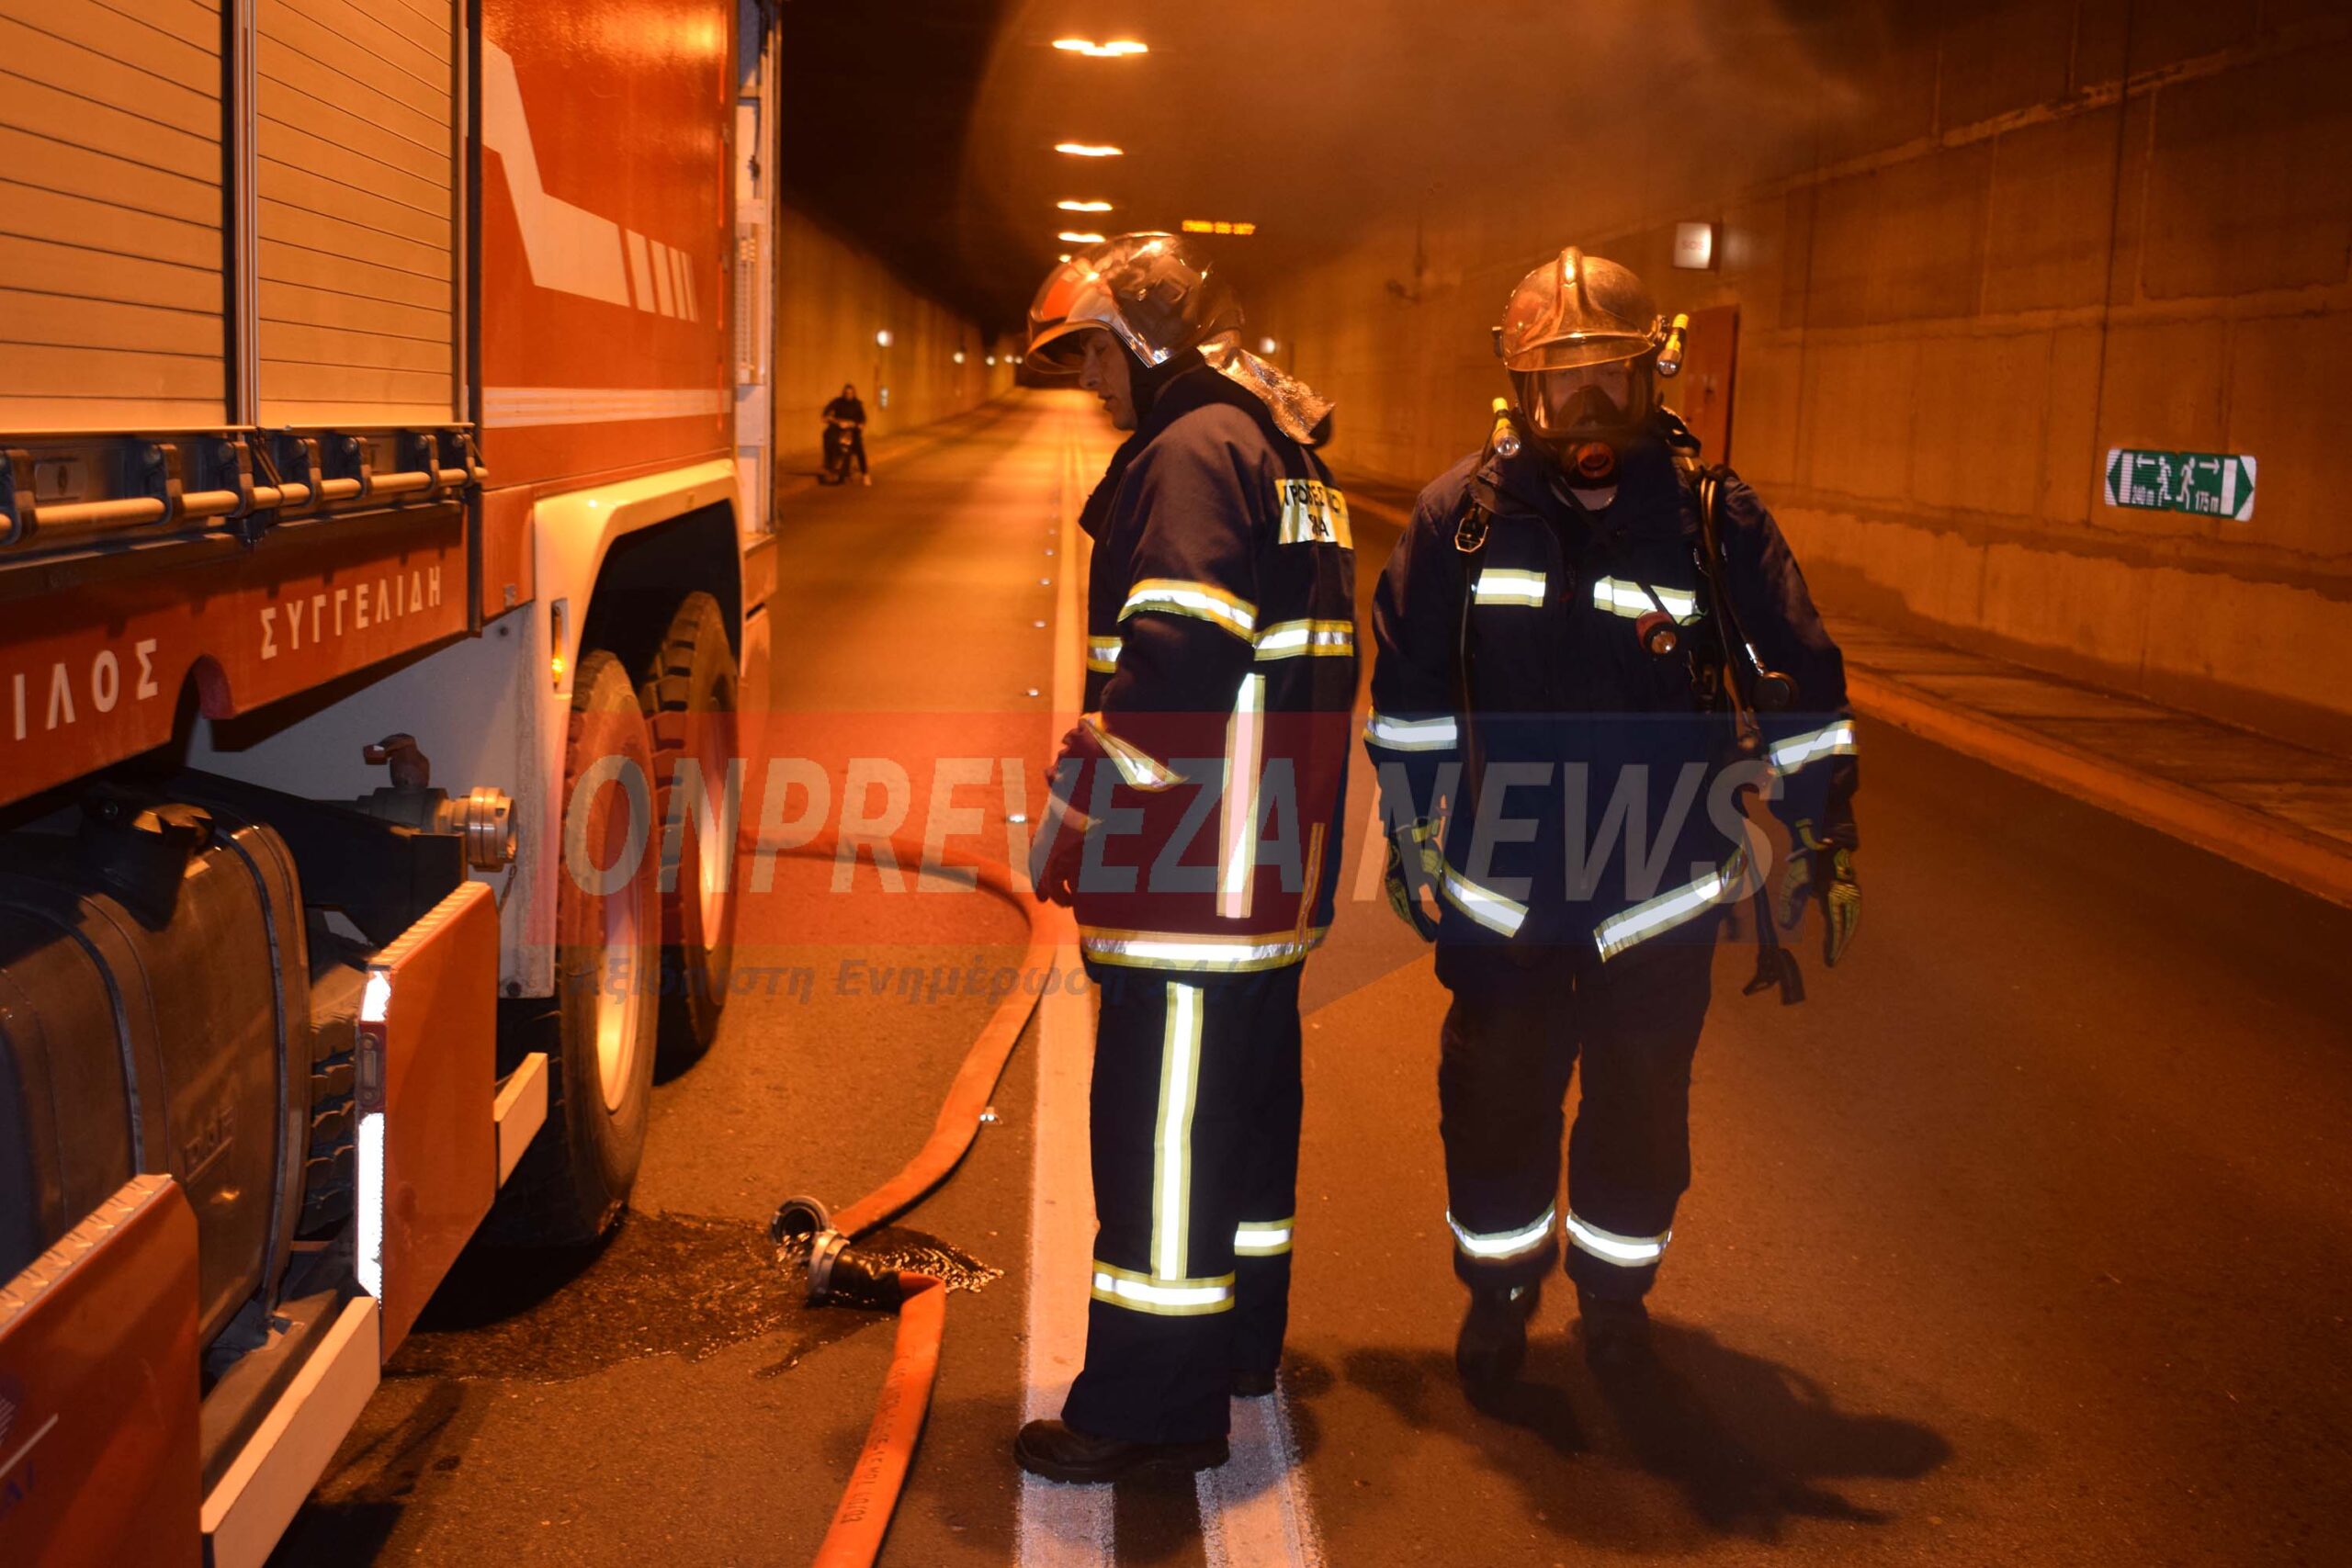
882, 338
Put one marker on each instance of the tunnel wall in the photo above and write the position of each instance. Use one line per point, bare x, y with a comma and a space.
1967, 264
832, 297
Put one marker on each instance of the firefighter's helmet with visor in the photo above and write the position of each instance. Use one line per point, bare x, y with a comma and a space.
1580, 338
1150, 291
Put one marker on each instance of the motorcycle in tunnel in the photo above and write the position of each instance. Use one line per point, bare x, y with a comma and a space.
840, 438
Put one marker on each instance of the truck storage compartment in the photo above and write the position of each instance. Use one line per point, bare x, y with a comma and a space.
115, 312
156, 986
330, 182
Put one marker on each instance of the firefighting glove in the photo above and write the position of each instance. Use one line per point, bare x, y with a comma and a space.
1822, 870
1405, 890
1058, 850
1058, 854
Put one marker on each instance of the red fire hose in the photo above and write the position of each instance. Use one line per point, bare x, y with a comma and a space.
855, 1538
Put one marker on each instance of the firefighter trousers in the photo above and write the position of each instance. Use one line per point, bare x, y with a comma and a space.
1512, 1040
1195, 1107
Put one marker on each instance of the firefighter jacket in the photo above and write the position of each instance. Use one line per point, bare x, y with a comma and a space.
1586, 785
1221, 676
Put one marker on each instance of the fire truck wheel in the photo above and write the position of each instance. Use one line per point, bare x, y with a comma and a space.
599, 1032
689, 695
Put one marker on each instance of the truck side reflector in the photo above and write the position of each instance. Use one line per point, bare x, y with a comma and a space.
266, 1484
367, 1204
98, 1395
522, 1111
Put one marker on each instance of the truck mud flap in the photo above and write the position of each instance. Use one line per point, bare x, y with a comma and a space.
98, 1393
428, 1134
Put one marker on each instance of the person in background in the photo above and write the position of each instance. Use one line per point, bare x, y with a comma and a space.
851, 412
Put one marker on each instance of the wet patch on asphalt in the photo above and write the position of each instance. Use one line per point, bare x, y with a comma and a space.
661, 1284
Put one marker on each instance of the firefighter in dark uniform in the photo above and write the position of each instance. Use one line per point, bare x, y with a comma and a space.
1194, 830
1591, 649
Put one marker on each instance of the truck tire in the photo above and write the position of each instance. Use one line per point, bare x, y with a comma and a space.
599, 1028
689, 695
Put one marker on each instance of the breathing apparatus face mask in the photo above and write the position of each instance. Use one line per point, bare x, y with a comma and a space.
1586, 415
1584, 347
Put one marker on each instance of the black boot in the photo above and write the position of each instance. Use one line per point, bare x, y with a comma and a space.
1616, 1333
1252, 1385
1493, 1341
1062, 1452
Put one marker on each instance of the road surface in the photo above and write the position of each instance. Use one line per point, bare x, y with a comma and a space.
2024, 1240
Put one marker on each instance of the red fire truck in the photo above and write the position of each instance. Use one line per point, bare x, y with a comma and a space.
383, 477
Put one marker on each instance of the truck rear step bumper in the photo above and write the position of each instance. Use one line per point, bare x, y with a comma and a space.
266, 1484
522, 1111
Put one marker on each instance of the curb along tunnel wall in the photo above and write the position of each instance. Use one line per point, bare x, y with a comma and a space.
1966, 265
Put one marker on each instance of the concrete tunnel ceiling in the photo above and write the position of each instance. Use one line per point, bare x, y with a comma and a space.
927, 131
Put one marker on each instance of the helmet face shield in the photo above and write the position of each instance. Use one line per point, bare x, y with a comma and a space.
1065, 309
1582, 402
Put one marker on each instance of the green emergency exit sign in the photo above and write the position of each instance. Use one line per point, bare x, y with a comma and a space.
2211, 484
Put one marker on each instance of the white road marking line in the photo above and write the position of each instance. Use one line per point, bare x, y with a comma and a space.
1254, 1508
1062, 1526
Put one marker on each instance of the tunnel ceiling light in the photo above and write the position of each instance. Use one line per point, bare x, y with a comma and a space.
1078, 237
960, 356
1117, 49
1089, 150
1217, 226
1068, 206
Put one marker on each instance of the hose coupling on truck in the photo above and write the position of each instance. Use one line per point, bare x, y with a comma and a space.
484, 818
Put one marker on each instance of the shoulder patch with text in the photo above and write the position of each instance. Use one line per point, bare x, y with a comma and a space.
1314, 513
